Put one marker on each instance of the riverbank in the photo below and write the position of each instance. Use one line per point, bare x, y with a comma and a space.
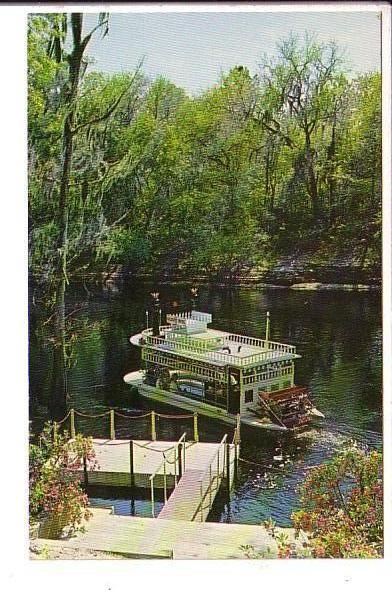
300, 271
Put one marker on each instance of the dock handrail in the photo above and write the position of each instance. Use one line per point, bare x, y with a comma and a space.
177, 459
208, 490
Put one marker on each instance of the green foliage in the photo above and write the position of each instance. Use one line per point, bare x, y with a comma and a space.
341, 513
342, 506
53, 488
255, 167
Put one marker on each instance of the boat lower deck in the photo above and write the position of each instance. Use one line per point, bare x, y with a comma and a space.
172, 399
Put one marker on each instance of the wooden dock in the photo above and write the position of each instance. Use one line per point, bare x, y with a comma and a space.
136, 537
190, 473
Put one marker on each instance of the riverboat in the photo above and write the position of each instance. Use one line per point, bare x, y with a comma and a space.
231, 377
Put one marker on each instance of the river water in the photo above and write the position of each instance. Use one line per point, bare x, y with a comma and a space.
337, 333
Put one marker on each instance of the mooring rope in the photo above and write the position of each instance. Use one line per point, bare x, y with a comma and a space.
64, 419
131, 417
175, 416
155, 450
117, 413
78, 413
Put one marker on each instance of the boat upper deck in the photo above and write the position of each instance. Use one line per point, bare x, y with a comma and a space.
187, 335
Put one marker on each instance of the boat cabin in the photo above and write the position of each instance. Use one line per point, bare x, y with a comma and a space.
226, 370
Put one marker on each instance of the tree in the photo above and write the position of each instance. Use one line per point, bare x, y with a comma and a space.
301, 91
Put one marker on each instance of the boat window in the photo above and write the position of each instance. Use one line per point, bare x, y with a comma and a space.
248, 396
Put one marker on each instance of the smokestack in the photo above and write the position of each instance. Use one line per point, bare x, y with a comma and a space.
156, 314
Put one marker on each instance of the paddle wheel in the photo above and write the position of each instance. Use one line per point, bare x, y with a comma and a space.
289, 407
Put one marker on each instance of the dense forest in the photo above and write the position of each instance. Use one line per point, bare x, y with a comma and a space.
129, 172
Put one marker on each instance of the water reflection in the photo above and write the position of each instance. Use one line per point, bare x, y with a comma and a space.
337, 333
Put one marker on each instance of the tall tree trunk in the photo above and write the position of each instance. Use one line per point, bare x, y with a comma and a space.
331, 180
59, 381
312, 181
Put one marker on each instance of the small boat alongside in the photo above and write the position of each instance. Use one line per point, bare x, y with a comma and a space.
222, 375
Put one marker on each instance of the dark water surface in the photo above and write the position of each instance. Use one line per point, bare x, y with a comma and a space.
337, 333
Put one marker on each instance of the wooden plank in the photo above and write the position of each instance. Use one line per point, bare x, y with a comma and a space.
135, 536
185, 498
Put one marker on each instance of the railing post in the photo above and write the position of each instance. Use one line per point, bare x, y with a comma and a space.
228, 468
235, 462
179, 458
164, 480
153, 429
210, 502
217, 467
112, 431
72, 426
131, 463
195, 428
152, 498
201, 501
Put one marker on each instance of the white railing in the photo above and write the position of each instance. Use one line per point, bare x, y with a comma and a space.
198, 316
162, 469
211, 478
266, 345
197, 350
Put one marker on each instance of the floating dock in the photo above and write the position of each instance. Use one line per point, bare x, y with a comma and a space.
190, 473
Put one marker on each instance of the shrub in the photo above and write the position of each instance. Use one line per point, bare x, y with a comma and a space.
341, 513
54, 486
342, 505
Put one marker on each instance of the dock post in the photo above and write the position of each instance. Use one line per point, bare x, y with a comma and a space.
235, 461
153, 428
238, 429
131, 464
112, 431
85, 472
72, 420
179, 457
228, 469
195, 428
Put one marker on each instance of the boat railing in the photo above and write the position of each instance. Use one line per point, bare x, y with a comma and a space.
198, 350
189, 316
259, 343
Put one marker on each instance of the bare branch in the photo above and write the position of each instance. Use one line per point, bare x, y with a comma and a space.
112, 107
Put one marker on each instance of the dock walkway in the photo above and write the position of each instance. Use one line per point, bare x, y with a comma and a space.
203, 470
171, 539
